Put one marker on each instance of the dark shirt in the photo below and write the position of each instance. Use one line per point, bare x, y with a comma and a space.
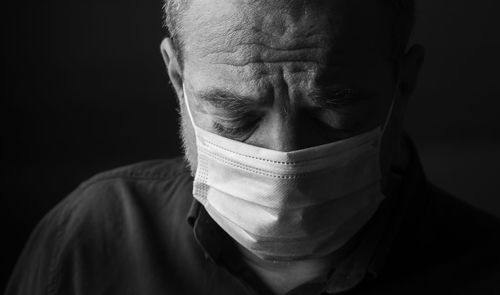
138, 230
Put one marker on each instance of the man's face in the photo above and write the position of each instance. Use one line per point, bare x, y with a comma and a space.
285, 75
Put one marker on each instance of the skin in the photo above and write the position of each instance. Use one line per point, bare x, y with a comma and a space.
287, 75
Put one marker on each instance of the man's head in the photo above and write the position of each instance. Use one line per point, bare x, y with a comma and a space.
285, 74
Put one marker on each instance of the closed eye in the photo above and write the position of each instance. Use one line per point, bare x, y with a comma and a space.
234, 128
338, 121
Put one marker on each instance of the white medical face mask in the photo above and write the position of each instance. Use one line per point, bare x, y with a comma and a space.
289, 205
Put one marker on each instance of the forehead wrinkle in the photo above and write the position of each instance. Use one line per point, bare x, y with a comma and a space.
256, 35
251, 48
288, 19
258, 74
277, 25
244, 46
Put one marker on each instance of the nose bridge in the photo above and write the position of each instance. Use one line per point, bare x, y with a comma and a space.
288, 132
285, 126
283, 136
291, 125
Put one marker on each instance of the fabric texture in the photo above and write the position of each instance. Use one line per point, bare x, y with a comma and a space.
138, 230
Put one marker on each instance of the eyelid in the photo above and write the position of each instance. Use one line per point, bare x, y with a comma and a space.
233, 133
338, 120
243, 126
235, 123
236, 117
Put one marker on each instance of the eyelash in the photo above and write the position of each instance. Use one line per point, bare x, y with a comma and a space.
234, 131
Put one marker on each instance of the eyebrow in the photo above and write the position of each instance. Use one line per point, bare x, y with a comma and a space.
227, 100
332, 96
337, 96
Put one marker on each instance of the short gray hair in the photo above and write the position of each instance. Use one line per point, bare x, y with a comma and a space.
173, 11
401, 17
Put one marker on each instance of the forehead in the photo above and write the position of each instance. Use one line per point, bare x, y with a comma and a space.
249, 39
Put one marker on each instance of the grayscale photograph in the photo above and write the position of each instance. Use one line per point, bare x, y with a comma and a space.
251, 147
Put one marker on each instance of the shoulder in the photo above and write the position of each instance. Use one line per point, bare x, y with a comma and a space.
125, 195
163, 169
102, 225
142, 186
441, 222
449, 246
452, 220
145, 180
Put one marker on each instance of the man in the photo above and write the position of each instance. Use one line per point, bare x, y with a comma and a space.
297, 178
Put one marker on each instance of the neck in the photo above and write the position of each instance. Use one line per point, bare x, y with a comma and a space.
283, 276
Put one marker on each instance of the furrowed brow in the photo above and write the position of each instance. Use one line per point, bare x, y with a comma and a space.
335, 96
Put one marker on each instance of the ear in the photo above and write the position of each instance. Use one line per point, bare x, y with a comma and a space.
170, 57
410, 66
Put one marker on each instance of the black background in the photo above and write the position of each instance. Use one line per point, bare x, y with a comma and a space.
84, 90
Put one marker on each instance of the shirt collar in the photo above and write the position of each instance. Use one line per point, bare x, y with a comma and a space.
207, 233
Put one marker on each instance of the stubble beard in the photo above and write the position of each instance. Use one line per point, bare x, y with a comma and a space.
188, 138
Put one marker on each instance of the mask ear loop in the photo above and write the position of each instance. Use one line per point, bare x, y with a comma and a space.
188, 108
393, 103
389, 116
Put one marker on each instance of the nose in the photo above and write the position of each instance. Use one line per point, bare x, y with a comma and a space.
292, 132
